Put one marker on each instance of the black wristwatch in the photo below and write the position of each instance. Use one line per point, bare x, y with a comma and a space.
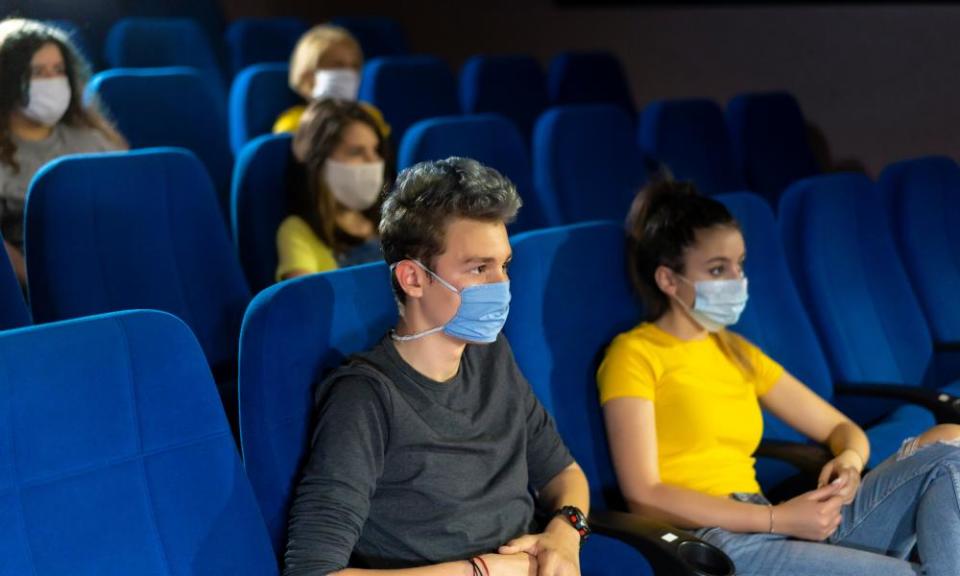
575, 517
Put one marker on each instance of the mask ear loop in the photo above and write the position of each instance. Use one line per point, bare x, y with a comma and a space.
417, 335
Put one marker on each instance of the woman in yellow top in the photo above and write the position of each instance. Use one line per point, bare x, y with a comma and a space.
682, 402
326, 63
334, 204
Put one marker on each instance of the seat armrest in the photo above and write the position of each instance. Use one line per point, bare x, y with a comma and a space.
945, 407
809, 458
668, 550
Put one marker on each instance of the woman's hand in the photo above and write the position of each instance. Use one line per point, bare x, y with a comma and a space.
846, 468
810, 516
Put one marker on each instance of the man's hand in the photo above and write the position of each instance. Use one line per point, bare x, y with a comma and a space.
520, 564
845, 468
557, 549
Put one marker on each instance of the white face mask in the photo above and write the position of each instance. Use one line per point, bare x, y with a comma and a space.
339, 83
718, 303
49, 100
356, 186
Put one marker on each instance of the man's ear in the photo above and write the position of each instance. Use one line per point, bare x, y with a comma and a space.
410, 277
666, 280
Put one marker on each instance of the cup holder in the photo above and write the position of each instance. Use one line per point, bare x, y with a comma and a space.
705, 559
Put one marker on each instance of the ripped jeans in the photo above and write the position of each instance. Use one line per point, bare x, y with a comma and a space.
912, 498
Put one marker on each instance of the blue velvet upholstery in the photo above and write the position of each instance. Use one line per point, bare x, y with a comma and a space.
378, 36
512, 85
163, 42
294, 333
588, 78
845, 266
409, 88
258, 95
108, 232
116, 458
488, 138
261, 178
586, 164
259, 40
690, 138
169, 107
770, 141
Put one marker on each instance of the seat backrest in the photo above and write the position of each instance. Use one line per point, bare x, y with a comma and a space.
258, 95
511, 85
588, 78
775, 319
378, 36
690, 138
293, 334
571, 297
258, 40
409, 88
116, 457
923, 200
261, 179
850, 278
164, 42
586, 164
488, 138
169, 107
13, 310
123, 230
770, 141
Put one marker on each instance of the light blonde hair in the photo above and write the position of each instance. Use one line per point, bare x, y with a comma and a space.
311, 47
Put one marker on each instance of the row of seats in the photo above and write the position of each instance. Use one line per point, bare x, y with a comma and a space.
854, 317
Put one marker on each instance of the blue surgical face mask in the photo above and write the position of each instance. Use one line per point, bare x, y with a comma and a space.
718, 303
479, 318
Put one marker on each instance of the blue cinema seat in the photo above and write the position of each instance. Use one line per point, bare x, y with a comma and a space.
775, 320
169, 107
567, 305
409, 88
923, 203
260, 40
770, 142
258, 95
843, 260
588, 78
116, 458
163, 42
124, 230
690, 138
511, 85
264, 172
488, 138
586, 163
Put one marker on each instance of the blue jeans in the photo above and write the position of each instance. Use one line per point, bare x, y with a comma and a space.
912, 498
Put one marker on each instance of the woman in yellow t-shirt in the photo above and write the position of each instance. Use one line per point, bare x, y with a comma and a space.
326, 63
334, 206
682, 402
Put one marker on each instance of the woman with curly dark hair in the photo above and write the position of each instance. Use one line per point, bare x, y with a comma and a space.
42, 116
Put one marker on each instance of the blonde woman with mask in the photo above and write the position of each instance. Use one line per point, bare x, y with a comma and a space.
326, 63
42, 117
335, 203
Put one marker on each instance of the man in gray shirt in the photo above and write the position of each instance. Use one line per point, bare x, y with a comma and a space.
430, 451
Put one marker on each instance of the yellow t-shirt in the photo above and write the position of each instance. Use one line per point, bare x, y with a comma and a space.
708, 417
298, 248
289, 119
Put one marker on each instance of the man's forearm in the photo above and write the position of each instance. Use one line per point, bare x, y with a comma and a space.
568, 488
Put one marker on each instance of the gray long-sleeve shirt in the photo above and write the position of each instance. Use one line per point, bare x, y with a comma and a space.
405, 471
